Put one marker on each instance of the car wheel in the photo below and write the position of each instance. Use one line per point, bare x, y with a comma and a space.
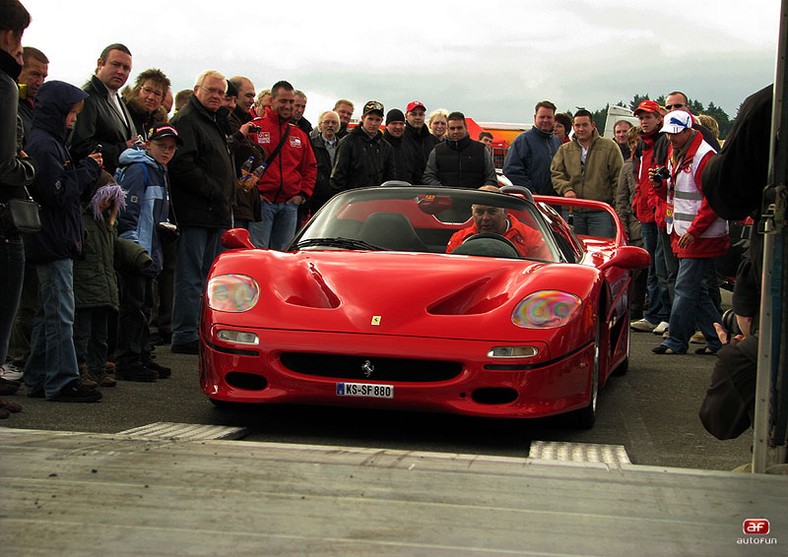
585, 417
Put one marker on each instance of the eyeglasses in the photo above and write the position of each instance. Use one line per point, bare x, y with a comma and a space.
674, 106
212, 90
154, 92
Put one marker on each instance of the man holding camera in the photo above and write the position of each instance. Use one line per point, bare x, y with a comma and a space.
697, 235
657, 313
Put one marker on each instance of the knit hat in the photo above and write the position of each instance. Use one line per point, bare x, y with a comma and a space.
232, 90
394, 115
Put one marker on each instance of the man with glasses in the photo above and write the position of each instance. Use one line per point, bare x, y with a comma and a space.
345, 109
203, 185
146, 100
677, 100
324, 145
105, 120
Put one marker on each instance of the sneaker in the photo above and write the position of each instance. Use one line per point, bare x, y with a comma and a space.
661, 328
666, 334
643, 325
164, 372
192, 347
76, 391
102, 378
137, 372
10, 372
698, 338
84, 375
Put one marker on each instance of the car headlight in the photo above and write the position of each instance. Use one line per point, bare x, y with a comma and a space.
232, 293
547, 309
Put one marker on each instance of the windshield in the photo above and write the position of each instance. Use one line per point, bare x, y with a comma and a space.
429, 220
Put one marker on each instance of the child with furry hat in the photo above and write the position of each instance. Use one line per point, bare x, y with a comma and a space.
95, 284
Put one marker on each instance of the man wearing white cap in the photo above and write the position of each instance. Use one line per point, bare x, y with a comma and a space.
697, 235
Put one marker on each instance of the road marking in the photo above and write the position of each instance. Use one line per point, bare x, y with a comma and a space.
186, 432
578, 452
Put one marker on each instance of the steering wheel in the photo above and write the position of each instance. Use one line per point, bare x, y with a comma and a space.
506, 248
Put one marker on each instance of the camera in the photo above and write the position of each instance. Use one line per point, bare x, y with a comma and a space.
660, 173
730, 324
254, 129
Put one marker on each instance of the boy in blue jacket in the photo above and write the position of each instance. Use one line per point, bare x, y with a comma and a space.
143, 174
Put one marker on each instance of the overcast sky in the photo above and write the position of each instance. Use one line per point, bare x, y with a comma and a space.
491, 59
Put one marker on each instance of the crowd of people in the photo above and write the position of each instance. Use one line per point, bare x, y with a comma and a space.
133, 202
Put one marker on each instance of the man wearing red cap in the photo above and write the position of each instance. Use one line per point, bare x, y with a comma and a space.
418, 136
657, 315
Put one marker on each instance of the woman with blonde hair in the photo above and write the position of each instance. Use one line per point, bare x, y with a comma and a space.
438, 123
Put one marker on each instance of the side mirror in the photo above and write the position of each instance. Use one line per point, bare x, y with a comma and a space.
237, 238
628, 257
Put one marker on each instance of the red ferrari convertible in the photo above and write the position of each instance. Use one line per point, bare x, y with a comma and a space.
367, 308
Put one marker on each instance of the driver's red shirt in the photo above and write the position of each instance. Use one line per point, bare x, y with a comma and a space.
529, 242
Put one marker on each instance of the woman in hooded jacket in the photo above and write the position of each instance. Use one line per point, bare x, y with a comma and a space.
60, 186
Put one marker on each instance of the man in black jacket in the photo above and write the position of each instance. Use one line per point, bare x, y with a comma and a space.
105, 120
418, 137
363, 159
460, 161
202, 178
403, 151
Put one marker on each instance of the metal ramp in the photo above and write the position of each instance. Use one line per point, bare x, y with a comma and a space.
65, 493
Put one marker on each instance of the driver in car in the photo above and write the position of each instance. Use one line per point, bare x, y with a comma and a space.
495, 220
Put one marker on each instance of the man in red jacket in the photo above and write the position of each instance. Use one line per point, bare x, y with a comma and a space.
697, 236
657, 313
289, 178
494, 220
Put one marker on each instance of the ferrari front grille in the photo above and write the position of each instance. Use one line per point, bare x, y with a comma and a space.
370, 368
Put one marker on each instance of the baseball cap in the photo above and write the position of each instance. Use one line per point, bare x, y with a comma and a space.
415, 104
648, 106
394, 115
676, 122
373, 106
160, 131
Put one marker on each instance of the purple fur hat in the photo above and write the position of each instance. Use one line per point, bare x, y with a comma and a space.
108, 190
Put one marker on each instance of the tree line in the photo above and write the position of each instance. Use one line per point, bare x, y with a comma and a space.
696, 107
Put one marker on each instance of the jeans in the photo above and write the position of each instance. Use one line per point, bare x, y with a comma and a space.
197, 248
19, 347
693, 305
277, 228
90, 337
53, 361
671, 264
658, 298
12, 270
593, 223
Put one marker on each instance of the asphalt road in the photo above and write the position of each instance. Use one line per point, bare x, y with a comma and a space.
651, 411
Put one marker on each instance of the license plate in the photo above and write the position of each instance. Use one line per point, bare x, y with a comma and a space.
369, 390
